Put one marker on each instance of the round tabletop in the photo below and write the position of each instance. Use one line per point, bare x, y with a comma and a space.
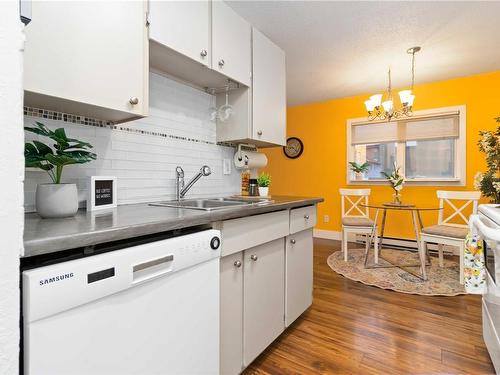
401, 207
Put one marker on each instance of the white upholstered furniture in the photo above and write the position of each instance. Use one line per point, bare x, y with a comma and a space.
448, 231
356, 219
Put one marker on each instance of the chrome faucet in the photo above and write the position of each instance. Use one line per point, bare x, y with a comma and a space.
180, 189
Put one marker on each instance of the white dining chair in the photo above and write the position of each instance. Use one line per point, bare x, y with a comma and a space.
447, 232
356, 219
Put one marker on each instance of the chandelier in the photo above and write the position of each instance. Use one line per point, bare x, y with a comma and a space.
384, 110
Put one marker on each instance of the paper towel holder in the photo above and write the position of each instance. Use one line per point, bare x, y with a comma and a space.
248, 146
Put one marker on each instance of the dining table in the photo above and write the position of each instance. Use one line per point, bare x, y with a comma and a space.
416, 220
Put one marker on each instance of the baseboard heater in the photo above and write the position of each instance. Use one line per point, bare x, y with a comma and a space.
404, 244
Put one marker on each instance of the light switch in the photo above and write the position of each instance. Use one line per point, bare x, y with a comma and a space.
226, 166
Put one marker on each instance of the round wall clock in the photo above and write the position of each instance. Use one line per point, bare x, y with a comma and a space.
294, 147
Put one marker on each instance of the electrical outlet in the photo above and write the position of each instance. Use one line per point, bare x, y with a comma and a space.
326, 219
226, 166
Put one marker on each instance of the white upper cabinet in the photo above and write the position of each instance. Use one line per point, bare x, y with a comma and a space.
231, 43
88, 58
268, 91
183, 26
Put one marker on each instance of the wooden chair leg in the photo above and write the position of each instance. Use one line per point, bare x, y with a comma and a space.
461, 275
344, 244
440, 255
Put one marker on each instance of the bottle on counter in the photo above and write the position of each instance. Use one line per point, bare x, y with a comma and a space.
253, 188
245, 182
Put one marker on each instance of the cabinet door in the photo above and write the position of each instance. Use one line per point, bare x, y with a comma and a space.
268, 90
88, 58
298, 274
183, 26
264, 297
231, 43
231, 314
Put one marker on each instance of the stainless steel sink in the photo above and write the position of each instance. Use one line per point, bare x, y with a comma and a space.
211, 204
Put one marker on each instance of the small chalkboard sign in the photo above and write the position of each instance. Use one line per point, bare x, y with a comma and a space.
102, 193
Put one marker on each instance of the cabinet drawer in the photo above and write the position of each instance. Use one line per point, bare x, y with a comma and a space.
302, 218
246, 232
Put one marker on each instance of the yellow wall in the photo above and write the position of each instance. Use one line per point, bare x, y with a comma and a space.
321, 170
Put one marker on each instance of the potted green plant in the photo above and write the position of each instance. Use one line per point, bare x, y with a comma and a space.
359, 169
397, 180
55, 199
489, 182
264, 181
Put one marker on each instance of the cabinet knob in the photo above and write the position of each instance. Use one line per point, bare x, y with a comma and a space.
237, 263
306, 217
293, 241
254, 257
259, 132
203, 53
221, 63
134, 100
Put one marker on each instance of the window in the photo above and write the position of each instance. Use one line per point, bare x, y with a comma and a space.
429, 147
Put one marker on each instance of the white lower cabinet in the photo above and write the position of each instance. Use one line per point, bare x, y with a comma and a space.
231, 314
263, 297
266, 282
298, 274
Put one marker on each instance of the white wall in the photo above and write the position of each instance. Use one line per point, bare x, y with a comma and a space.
177, 132
11, 175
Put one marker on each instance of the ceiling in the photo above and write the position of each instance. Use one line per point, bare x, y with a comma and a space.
340, 49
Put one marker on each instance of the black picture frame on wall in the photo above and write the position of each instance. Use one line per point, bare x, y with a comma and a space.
294, 148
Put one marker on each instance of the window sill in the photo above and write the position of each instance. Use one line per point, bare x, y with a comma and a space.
413, 182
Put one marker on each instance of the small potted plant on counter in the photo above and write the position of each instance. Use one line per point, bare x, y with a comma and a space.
55, 199
264, 181
359, 169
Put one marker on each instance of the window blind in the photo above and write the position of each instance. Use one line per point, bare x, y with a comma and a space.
432, 127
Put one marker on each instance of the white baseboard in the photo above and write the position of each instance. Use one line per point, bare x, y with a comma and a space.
327, 234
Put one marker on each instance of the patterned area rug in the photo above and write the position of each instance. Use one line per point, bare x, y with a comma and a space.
441, 282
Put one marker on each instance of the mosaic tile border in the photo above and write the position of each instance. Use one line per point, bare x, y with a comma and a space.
88, 121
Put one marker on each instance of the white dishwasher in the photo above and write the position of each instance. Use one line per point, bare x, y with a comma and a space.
147, 309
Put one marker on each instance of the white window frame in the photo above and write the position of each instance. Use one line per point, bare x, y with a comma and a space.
460, 150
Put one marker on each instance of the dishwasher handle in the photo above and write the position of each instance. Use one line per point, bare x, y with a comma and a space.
152, 269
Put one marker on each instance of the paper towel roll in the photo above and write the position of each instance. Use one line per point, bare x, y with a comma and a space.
250, 159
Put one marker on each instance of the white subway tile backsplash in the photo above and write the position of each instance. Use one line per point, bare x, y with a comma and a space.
143, 154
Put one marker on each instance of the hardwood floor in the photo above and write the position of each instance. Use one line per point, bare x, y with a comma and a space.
352, 328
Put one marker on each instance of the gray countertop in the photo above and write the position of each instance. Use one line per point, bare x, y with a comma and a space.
43, 236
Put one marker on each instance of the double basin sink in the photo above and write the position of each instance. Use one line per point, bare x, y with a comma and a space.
211, 204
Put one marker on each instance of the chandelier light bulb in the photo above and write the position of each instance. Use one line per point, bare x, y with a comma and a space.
370, 106
376, 99
388, 105
404, 96
411, 98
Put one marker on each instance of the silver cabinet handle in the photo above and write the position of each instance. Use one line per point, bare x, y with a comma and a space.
237, 263
293, 241
254, 257
134, 100
306, 217
203, 53
221, 63
259, 132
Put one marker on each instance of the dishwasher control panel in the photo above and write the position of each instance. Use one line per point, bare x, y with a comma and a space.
51, 289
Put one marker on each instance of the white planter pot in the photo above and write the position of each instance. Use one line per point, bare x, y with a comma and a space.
56, 200
263, 191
